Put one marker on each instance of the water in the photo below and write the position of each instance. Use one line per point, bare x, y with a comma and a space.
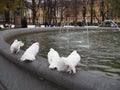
87, 33
102, 57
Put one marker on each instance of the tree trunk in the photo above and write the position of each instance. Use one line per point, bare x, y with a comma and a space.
91, 12
33, 12
102, 11
7, 17
34, 18
75, 11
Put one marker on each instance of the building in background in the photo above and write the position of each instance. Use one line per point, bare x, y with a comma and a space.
56, 12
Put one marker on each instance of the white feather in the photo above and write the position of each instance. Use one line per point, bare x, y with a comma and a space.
61, 65
72, 61
55, 61
15, 46
31, 52
53, 57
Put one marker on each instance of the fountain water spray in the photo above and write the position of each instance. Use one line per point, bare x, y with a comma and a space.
87, 33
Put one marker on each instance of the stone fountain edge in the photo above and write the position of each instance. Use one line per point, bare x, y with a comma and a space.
82, 80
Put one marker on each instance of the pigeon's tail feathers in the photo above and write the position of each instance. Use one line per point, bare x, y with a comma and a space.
27, 57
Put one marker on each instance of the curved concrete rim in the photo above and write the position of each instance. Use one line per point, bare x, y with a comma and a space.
82, 80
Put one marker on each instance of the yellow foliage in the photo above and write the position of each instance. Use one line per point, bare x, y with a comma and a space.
12, 4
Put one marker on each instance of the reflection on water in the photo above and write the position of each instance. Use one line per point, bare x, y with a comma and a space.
102, 56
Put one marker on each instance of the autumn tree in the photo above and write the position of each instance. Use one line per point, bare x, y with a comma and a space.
113, 8
61, 8
34, 5
8, 8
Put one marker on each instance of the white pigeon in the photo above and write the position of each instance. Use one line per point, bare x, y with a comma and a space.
15, 46
71, 61
61, 65
31, 52
53, 57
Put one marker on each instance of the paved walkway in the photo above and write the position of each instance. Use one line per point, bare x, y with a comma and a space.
13, 78
2, 87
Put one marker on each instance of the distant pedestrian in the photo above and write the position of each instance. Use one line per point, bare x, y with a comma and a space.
24, 22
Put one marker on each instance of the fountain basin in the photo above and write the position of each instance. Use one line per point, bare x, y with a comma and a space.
82, 80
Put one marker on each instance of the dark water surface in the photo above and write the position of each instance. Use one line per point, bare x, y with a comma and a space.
100, 51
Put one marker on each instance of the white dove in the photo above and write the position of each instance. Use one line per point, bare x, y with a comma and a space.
71, 61
53, 57
15, 46
31, 52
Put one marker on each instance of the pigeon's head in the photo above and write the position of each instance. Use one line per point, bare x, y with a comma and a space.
51, 49
74, 51
15, 40
37, 43
21, 43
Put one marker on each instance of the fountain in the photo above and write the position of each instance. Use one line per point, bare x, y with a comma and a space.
68, 30
87, 34
101, 72
94, 58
